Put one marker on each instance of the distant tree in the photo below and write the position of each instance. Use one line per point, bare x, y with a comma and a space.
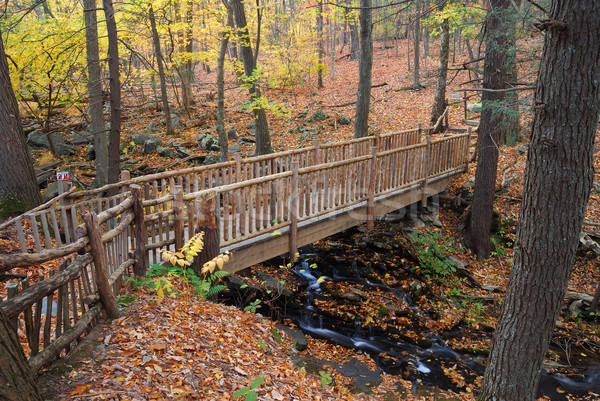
558, 181
16, 380
320, 44
114, 152
417, 37
223, 143
494, 82
95, 92
19, 191
263, 140
365, 65
161, 71
439, 102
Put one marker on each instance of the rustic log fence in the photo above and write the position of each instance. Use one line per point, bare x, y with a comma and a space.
93, 241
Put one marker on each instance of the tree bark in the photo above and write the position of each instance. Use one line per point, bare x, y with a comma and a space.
263, 140
18, 186
161, 71
95, 92
494, 77
223, 140
417, 38
365, 65
16, 379
439, 103
320, 45
558, 181
511, 127
114, 168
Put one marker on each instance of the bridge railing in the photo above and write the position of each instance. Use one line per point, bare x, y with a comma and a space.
256, 196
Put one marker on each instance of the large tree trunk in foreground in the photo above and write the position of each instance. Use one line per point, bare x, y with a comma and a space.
494, 78
557, 186
95, 92
365, 65
18, 187
263, 140
114, 153
16, 380
439, 103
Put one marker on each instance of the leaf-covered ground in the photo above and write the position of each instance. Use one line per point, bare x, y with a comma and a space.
186, 348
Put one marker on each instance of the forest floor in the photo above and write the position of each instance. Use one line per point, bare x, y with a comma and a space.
181, 347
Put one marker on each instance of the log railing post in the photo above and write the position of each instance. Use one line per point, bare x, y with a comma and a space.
468, 148
237, 158
317, 152
125, 176
100, 267
178, 218
371, 200
207, 222
141, 259
427, 169
294, 212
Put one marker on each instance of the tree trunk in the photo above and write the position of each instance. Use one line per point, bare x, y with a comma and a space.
494, 77
263, 140
417, 38
558, 181
439, 103
320, 45
365, 64
353, 38
16, 380
223, 142
95, 92
511, 127
114, 168
161, 72
19, 191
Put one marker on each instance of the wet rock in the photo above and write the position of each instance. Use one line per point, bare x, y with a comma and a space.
297, 336
416, 289
275, 285
43, 178
81, 138
175, 121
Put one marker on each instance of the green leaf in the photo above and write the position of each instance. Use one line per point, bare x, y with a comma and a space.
256, 382
240, 392
251, 396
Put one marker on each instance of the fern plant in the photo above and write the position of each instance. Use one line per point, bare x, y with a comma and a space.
207, 286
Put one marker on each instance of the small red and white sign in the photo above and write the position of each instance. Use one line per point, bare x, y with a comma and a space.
62, 175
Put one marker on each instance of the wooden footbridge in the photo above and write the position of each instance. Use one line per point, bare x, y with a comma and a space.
265, 206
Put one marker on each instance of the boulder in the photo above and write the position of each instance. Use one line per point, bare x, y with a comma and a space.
231, 133
319, 115
522, 149
175, 121
165, 152
234, 148
208, 142
38, 139
50, 192
343, 120
139, 139
183, 152
299, 339
212, 159
151, 144
81, 138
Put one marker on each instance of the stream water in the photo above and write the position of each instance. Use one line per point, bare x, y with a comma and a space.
424, 357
